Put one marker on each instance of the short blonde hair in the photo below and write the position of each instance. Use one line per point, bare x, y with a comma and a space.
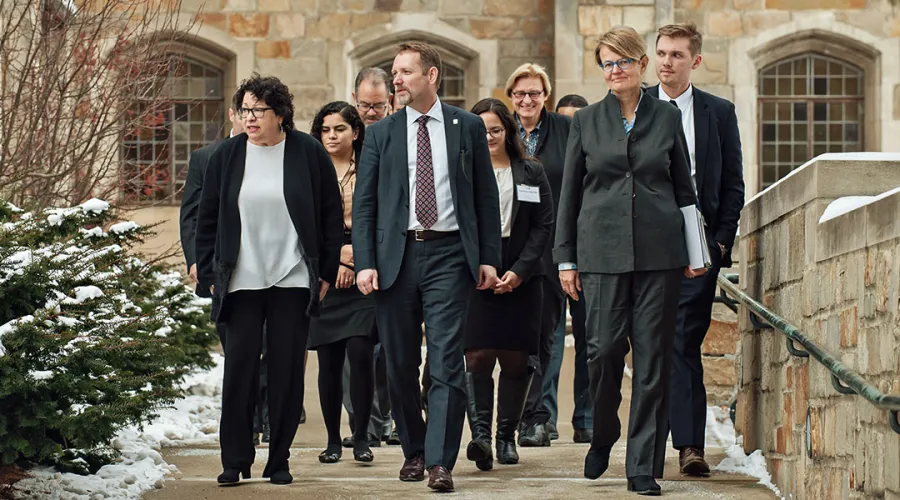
528, 70
622, 40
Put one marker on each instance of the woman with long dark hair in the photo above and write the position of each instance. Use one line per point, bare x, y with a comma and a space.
268, 246
346, 325
504, 323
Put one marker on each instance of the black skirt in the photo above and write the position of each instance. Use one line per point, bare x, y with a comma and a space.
511, 321
343, 313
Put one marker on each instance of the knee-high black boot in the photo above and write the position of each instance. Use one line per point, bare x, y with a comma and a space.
511, 396
480, 410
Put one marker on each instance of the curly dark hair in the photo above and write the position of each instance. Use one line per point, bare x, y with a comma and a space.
514, 147
270, 90
350, 115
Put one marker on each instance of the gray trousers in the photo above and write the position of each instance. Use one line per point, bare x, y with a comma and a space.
380, 422
433, 284
640, 309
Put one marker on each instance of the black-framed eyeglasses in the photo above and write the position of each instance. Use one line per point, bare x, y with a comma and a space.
623, 64
256, 112
495, 132
365, 107
533, 94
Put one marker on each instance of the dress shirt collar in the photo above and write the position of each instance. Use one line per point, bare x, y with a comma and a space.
683, 100
522, 127
436, 113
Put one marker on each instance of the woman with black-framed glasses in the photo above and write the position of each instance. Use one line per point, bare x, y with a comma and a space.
503, 323
268, 246
620, 238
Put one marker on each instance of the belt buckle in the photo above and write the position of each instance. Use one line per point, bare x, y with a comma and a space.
418, 232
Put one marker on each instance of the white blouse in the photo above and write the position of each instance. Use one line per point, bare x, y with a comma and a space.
505, 185
270, 248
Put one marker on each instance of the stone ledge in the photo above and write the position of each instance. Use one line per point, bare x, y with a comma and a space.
825, 177
859, 228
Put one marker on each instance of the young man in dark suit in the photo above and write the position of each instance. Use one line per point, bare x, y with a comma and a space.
714, 144
426, 225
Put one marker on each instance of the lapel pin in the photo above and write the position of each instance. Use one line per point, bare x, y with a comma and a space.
456, 121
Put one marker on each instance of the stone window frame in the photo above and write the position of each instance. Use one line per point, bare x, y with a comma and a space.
836, 46
378, 52
196, 51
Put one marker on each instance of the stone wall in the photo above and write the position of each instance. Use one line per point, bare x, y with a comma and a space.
313, 45
839, 282
740, 38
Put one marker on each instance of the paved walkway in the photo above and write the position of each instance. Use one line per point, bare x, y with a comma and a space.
543, 473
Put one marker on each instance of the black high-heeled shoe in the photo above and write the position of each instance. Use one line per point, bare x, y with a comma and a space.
331, 455
362, 452
281, 477
596, 462
230, 477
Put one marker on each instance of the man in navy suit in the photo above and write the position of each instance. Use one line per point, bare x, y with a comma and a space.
426, 229
714, 143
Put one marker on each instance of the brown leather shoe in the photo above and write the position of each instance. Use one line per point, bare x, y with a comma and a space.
413, 469
692, 463
439, 478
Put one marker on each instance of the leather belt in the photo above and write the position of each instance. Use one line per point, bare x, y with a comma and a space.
429, 235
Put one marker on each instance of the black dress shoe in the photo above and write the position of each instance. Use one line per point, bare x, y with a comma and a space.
583, 435
331, 455
394, 439
552, 431
362, 453
347, 442
266, 434
281, 477
255, 439
230, 477
534, 435
374, 442
596, 462
644, 485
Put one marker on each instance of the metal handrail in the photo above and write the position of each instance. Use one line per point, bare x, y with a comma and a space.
844, 380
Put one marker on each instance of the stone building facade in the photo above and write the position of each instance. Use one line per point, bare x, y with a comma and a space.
807, 76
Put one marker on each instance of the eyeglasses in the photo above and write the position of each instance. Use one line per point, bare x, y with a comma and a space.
365, 107
623, 64
533, 94
256, 112
495, 132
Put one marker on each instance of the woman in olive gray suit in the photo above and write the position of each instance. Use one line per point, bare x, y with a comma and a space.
620, 235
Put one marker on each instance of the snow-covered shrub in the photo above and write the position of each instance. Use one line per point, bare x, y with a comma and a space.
92, 338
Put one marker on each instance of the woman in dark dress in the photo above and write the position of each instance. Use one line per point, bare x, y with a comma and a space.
504, 324
346, 325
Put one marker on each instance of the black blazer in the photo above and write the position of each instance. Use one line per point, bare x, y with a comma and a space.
313, 201
190, 201
531, 224
551, 152
720, 172
381, 200
619, 207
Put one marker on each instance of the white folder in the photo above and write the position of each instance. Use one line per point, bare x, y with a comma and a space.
695, 238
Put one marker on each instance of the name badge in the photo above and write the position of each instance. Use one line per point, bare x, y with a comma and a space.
529, 194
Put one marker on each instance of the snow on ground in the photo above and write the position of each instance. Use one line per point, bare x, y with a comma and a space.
192, 420
720, 434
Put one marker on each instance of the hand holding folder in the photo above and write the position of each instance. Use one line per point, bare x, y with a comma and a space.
695, 238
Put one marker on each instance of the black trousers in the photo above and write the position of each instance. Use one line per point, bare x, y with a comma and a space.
536, 412
687, 402
433, 284
637, 308
283, 312
261, 413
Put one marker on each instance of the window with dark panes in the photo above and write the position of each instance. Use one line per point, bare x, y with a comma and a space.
808, 105
453, 84
156, 153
